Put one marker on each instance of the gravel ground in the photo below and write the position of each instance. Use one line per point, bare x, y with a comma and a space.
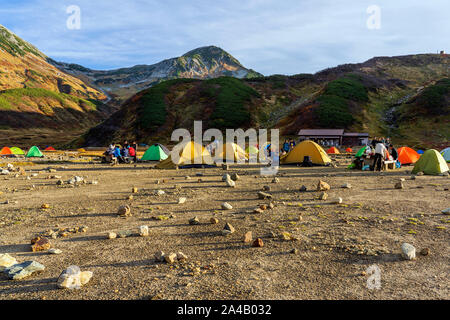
335, 243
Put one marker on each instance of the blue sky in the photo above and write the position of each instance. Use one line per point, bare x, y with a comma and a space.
271, 37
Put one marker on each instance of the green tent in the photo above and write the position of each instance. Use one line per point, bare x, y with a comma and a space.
361, 151
154, 153
431, 162
17, 151
34, 152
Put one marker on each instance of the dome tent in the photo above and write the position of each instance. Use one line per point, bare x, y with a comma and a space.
17, 151
407, 155
446, 154
5, 151
333, 150
231, 152
155, 153
191, 154
306, 148
431, 162
34, 152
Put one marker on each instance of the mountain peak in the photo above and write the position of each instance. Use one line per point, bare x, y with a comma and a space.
209, 53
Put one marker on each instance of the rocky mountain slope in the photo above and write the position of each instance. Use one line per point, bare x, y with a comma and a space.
34, 93
357, 97
202, 63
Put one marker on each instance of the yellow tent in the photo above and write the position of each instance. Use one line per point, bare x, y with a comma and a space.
231, 152
306, 148
191, 153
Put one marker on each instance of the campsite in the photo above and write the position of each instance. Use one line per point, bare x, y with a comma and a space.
310, 246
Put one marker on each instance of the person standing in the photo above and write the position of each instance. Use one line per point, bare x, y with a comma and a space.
135, 147
380, 154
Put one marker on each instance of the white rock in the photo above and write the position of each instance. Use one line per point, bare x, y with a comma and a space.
446, 211
231, 183
408, 251
181, 200
227, 206
6, 261
143, 231
181, 256
4, 172
112, 235
54, 251
226, 177
160, 192
346, 186
73, 278
337, 200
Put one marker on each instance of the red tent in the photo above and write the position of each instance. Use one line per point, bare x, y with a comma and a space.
333, 150
407, 155
5, 151
349, 150
50, 149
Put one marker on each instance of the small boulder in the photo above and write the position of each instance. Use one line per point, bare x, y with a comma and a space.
112, 235
228, 229
346, 186
159, 256
263, 195
23, 270
40, 244
275, 180
54, 251
170, 258
181, 256
323, 186
181, 200
248, 237
258, 243
194, 221
230, 183
6, 261
425, 251
408, 251
143, 231
226, 206
399, 185
235, 177
323, 196
124, 211
303, 188
214, 220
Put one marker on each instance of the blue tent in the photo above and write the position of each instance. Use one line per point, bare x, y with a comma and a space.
420, 151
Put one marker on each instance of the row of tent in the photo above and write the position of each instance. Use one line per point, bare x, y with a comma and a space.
34, 152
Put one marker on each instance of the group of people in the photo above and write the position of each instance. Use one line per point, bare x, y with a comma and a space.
121, 154
288, 145
379, 149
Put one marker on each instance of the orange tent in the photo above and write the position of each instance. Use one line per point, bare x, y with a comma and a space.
333, 150
407, 155
50, 149
349, 150
5, 151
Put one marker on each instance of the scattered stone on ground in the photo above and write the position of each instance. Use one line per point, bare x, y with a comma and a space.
143, 231
227, 206
248, 237
124, 211
258, 243
214, 220
425, 251
22, 270
6, 261
263, 195
408, 251
181, 200
228, 229
399, 185
323, 196
194, 221
303, 188
170, 258
54, 251
73, 278
40, 244
323, 186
